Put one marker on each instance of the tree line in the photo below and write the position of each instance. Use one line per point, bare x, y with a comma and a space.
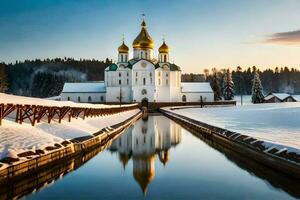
44, 78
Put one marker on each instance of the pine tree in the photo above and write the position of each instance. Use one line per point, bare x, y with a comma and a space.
257, 95
228, 86
216, 86
3, 79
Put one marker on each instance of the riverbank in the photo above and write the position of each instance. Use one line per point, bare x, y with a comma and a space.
31, 147
281, 157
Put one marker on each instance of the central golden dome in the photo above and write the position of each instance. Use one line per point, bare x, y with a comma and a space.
143, 40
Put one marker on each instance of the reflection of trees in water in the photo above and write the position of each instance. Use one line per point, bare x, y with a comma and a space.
142, 142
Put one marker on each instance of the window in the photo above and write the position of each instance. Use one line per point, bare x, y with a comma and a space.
121, 58
78, 99
158, 81
120, 82
151, 80
68, 98
89, 99
101, 98
127, 74
167, 74
158, 73
136, 74
142, 55
144, 81
167, 82
183, 98
125, 58
150, 74
120, 74
136, 80
165, 58
146, 55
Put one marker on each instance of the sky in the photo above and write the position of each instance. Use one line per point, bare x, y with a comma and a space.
200, 33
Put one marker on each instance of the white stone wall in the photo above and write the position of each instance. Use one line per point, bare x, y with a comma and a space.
84, 97
113, 94
195, 97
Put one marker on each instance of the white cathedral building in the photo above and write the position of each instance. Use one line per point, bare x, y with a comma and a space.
142, 78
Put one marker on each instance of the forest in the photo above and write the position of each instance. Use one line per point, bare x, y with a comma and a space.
45, 78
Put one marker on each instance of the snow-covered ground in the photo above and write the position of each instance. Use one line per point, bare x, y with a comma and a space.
16, 138
274, 122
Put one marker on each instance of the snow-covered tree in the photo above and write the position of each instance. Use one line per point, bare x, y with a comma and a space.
257, 89
216, 85
228, 86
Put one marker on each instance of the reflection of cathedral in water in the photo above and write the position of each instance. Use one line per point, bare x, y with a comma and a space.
143, 141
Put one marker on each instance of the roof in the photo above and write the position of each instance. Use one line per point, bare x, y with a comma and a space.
280, 96
84, 87
195, 87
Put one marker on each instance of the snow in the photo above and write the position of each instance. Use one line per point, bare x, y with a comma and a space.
280, 96
274, 122
21, 100
17, 138
92, 87
196, 87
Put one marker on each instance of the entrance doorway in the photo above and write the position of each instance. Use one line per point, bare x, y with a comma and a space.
144, 103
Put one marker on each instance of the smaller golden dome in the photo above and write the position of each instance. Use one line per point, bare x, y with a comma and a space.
164, 48
123, 48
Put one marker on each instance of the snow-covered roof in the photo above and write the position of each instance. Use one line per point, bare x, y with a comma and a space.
84, 87
280, 96
195, 87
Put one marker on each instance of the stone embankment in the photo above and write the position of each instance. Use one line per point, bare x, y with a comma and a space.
66, 150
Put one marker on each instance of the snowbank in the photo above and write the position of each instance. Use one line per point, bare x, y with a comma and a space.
13, 99
277, 123
16, 138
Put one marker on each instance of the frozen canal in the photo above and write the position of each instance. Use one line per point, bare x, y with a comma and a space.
158, 159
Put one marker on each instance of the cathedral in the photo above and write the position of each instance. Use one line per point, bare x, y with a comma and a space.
142, 78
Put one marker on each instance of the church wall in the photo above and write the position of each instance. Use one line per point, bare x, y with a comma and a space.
113, 94
195, 96
84, 97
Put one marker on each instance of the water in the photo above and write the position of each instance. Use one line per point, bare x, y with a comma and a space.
158, 159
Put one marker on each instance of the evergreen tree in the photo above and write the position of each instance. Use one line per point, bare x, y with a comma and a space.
257, 95
228, 86
3, 79
216, 86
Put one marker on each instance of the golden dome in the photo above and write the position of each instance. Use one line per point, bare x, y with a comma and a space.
143, 40
164, 48
123, 48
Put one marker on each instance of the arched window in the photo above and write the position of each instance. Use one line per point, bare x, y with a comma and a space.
165, 58
125, 58
68, 98
144, 81
120, 82
183, 98
150, 74
127, 81
142, 54
101, 98
78, 99
146, 55
121, 58
120, 74
90, 99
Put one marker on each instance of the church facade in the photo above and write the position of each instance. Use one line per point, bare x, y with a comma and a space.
143, 78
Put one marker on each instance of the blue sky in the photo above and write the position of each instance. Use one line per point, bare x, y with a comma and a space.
201, 33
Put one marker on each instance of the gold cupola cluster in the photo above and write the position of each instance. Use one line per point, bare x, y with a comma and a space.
143, 40
164, 48
123, 48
